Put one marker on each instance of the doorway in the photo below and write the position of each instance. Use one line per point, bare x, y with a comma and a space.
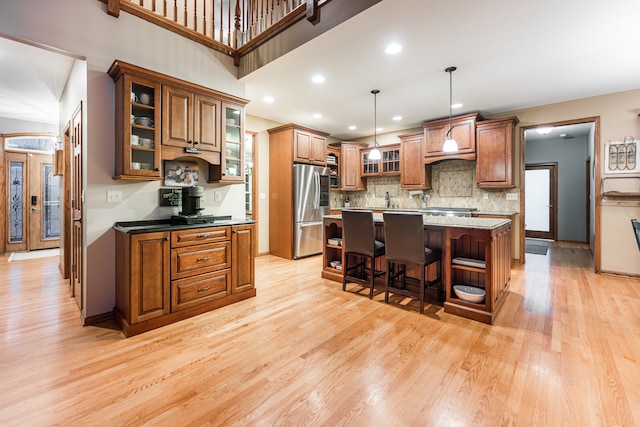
541, 201
32, 205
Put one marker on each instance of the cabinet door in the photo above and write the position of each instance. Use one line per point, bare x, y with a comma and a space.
150, 261
318, 147
233, 154
464, 132
434, 137
414, 174
177, 120
242, 259
138, 152
302, 146
369, 167
390, 161
351, 167
206, 127
494, 154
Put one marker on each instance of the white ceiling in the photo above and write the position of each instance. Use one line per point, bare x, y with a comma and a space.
509, 55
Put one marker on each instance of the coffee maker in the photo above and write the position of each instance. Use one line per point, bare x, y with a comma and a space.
190, 213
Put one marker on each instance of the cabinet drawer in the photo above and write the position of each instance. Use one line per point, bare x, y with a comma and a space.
199, 235
192, 291
200, 259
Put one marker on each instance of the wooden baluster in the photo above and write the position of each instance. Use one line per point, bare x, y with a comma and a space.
220, 24
204, 18
153, 6
236, 24
185, 15
164, 8
175, 10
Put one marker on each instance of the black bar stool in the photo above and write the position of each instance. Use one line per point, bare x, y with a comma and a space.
636, 228
358, 241
404, 241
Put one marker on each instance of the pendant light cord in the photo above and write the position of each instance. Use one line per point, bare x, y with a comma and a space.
450, 70
375, 93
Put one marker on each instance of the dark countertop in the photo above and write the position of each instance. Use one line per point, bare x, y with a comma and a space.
476, 212
150, 226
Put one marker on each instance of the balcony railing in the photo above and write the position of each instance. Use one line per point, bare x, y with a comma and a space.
233, 27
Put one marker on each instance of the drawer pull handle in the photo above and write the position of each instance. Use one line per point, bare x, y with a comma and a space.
203, 235
206, 288
207, 258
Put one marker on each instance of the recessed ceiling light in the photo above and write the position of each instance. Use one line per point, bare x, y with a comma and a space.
457, 105
317, 115
544, 130
318, 79
562, 135
379, 129
396, 118
393, 48
268, 99
353, 127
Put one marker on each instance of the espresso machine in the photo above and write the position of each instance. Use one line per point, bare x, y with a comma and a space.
190, 213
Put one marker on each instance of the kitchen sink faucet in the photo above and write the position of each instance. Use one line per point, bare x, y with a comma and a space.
387, 199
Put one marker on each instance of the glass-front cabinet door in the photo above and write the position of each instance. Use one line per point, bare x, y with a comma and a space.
233, 134
140, 129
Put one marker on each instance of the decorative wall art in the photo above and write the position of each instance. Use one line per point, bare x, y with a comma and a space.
622, 157
180, 173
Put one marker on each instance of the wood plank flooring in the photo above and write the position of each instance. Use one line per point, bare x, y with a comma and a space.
564, 351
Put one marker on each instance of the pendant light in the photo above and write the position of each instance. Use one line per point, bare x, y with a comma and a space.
450, 144
375, 153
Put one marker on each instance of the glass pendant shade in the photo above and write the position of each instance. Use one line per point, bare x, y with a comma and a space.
374, 154
450, 146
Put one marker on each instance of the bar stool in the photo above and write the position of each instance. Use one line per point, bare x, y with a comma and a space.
404, 241
358, 241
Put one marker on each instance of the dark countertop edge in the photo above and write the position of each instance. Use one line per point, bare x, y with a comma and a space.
150, 226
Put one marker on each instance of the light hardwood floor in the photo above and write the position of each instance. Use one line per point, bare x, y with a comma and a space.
564, 351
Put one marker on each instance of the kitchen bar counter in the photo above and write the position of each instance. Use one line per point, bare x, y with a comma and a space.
449, 221
485, 241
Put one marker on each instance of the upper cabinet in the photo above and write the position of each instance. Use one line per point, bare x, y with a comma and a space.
494, 152
137, 127
388, 164
159, 117
232, 165
333, 163
350, 166
190, 120
309, 147
464, 132
414, 173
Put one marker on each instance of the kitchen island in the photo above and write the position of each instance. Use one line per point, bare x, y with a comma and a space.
475, 252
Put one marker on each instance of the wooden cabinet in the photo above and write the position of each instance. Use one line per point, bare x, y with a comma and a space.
388, 164
231, 168
464, 132
191, 120
494, 152
166, 276
159, 117
350, 165
243, 265
309, 147
480, 258
512, 217
138, 119
143, 276
414, 173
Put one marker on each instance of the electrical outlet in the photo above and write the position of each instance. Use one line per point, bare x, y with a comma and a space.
512, 196
217, 196
263, 196
114, 196
485, 196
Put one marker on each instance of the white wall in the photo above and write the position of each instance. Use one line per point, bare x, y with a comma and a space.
8, 125
82, 27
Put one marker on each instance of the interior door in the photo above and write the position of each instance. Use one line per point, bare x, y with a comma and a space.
16, 192
77, 192
540, 201
44, 203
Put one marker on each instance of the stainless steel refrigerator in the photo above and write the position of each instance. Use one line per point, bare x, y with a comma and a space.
310, 205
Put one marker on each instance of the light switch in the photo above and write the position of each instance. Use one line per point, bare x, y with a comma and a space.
217, 196
263, 196
114, 196
485, 196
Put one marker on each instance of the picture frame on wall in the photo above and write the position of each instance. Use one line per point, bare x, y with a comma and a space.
180, 173
622, 157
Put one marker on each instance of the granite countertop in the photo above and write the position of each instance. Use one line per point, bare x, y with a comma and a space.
450, 221
149, 226
478, 212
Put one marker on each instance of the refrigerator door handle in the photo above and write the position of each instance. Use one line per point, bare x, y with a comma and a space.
316, 178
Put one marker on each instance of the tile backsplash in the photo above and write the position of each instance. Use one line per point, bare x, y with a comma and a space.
453, 185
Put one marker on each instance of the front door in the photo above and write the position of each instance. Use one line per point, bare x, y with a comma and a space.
540, 200
44, 203
76, 208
